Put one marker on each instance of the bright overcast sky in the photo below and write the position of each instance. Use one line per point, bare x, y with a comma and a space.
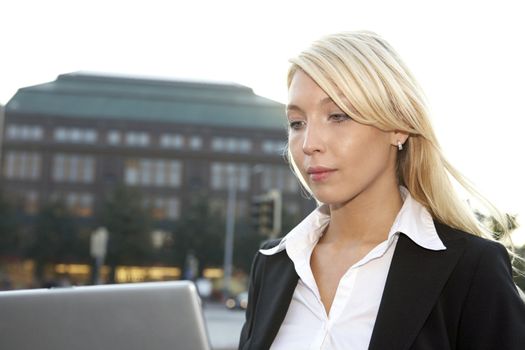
469, 57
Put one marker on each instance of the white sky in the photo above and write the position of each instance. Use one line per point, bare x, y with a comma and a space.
469, 57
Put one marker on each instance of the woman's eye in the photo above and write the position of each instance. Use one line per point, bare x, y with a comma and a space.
296, 124
340, 117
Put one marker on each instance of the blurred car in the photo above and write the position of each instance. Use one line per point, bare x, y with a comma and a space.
238, 302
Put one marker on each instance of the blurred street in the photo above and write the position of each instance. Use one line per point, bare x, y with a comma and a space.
224, 326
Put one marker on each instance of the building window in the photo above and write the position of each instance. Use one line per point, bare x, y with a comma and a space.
231, 145
78, 203
172, 141
195, 143
24, 132
273, 147
75, 135
153, 172
279, 177
22, 165
223, 173
113, 137
73, 168
90, 136
137, 139
163, 208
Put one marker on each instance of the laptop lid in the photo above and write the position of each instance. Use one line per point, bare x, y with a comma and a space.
138, 316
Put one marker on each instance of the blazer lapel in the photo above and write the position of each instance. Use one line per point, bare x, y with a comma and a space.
414, 282
278, 284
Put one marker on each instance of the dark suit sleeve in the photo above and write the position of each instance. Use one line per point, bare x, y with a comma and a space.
493, 315
253, 290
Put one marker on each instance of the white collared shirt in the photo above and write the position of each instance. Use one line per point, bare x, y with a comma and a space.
352, 315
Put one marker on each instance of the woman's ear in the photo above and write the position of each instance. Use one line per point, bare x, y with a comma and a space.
398, 137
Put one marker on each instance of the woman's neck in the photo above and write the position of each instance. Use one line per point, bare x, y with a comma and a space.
366, 219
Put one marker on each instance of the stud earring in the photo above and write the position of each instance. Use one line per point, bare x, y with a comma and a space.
399, 146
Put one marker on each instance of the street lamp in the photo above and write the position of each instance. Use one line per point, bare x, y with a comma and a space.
230, 229
99, 244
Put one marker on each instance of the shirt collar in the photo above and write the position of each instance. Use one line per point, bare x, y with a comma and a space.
413, 220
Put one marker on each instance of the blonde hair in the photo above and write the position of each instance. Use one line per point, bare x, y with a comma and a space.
366, 78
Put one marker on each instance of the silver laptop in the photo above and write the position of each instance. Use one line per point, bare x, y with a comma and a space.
139, 316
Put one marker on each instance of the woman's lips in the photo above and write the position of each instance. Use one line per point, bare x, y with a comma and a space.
319, 173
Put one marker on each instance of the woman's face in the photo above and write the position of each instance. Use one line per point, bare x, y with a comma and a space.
338, 157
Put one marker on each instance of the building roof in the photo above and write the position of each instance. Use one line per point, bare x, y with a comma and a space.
80, 95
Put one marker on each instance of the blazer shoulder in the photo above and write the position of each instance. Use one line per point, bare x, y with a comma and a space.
473, 242
492, 310
270, 243
484, 260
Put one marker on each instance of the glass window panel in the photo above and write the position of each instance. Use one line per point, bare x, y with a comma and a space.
144, 139
215, 176
175, 173
35, 166
195, 142
145, 172
24, 133
160, 173
172, 141
131, 172
58, 168
75, 135
114, 137
73, 169
178, 141
60, 134
38, 133
243, 177
91, 136
88, 170
22, 165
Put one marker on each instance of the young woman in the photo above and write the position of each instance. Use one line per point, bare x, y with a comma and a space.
392, 258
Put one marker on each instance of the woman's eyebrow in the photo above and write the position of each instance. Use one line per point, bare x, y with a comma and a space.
292, 107
326, 100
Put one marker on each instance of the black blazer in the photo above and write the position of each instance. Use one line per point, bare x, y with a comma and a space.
459, 298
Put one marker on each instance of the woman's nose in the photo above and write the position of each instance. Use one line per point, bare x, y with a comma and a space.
313, 140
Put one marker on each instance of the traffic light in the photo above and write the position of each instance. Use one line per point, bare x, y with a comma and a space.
262, 215
266, 213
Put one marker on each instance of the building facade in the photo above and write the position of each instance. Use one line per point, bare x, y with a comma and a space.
78, 137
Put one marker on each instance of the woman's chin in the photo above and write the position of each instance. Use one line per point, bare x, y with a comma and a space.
329, 199
334, 197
